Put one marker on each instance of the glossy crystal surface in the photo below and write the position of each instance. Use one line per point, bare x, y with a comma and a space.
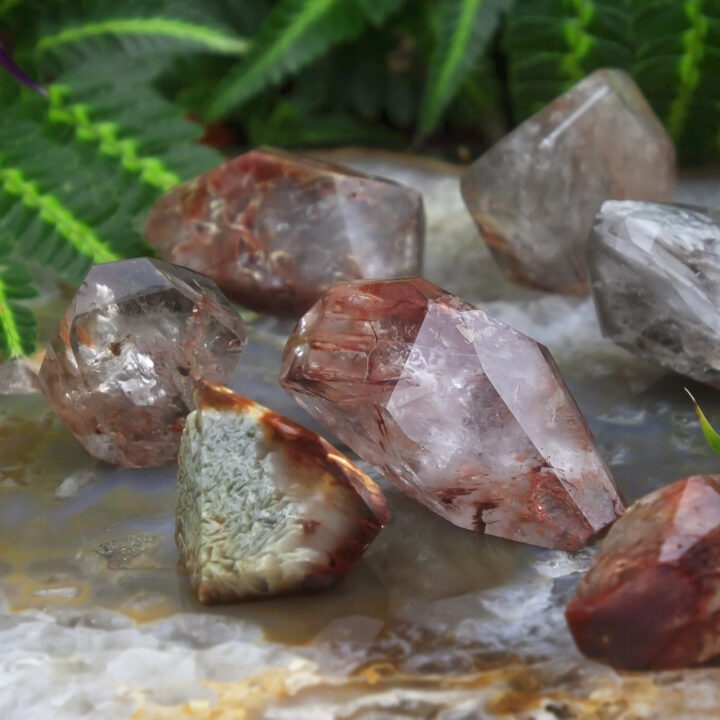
534, 193
650, 600
655, 271
120, 370
275, 230
459, 410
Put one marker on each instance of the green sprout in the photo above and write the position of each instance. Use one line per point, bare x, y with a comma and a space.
708, 430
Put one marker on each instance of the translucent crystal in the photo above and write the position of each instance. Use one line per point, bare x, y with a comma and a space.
655, 271
463, 413
276, 230
534, 193
121, 369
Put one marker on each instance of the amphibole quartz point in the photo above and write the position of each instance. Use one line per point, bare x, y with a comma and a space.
266, 507
120, 370
460, 411
650, 600
534, 194
655, 271
276, 230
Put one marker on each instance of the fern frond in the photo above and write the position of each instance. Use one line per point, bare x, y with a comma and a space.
179, 32
378, 11
17, 323
131, 123
463, 29
293, 34
108, 137
676, 65
552, 44
79, 235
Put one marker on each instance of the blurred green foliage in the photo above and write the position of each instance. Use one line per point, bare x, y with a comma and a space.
132, 86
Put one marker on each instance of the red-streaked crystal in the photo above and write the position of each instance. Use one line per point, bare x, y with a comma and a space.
276, 230
121, 370
459, 410
651, 599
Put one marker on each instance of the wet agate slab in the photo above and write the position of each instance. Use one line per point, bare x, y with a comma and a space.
96, 619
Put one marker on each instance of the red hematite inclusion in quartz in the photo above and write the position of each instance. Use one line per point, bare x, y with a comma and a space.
121, 369
650, 601
276, 230
463, 413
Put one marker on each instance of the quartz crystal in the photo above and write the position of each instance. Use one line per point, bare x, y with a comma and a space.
459, 410
650, 601
266, 507
534, 194
121, 369
276, 230
655, 271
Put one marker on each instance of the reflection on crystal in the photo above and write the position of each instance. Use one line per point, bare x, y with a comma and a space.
534, 193
655, 272
276, 230
120, 370
465, 414
650, 599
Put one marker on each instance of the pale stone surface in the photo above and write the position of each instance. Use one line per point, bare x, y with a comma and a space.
651, 598
266, 507
655, 271
275, 230
121, 369
465, 414
534, 193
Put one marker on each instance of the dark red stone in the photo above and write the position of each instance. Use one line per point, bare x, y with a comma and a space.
652, 598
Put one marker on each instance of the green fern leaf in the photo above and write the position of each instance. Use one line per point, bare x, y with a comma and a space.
676, 65
463, 29
52, 211
552, 44
17, 323
293, 34
379, 10
108, 136
180, 32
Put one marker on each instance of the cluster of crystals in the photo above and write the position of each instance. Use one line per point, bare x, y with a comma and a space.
276, 230
120, 371
650, 601
534, 193
460, 411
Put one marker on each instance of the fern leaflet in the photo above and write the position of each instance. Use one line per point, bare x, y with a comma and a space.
17, 323
551, 44
379, 10
107, 136
293, 34
208, 38
52, 211
463, 29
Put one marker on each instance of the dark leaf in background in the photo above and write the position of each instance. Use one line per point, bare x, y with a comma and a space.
17, 72
462, 31
295, 33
